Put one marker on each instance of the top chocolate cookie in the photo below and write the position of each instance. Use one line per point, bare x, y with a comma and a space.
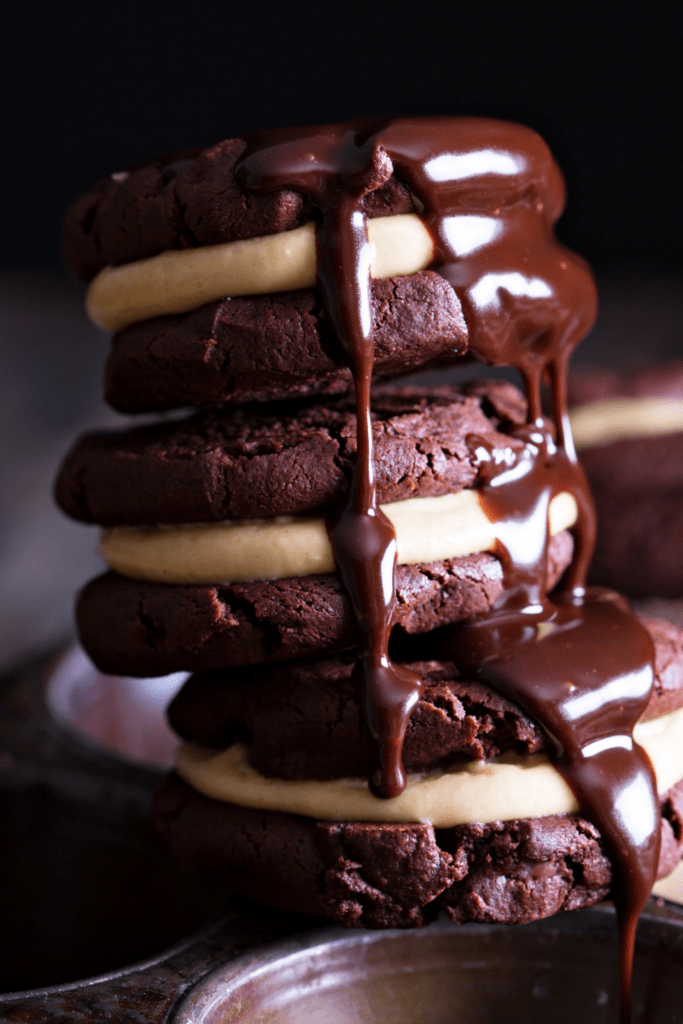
187, 199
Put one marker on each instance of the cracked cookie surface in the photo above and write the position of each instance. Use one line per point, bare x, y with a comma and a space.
134, 628
283, 460
277, 346
400, 876
302, 719
186, 199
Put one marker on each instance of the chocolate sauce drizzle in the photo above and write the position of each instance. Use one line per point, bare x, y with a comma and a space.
580, 663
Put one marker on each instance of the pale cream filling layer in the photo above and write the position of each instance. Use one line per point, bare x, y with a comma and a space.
427, 530
178, 281
499, 790
671, 887
617, 419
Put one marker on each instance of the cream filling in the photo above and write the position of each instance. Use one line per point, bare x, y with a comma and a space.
616, 419
499, 790
180, 280
671, 887
427, 530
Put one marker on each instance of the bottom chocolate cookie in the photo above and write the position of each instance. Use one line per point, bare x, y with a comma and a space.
400, 875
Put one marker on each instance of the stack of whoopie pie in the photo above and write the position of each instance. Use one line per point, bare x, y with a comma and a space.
219, 565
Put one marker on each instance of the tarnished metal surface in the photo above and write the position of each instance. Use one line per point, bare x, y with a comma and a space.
85, 884
144, 994
564, 969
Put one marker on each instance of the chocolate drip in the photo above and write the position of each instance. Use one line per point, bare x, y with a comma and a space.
579, 663
489, 193
583, 668
336, 169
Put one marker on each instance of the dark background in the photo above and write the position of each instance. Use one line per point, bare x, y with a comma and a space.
89, 89
93, 88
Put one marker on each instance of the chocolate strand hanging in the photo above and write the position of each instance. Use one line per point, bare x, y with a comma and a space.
336, 169
363, 539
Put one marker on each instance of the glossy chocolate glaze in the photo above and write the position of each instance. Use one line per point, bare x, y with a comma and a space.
581, 664
336, 169
489, 193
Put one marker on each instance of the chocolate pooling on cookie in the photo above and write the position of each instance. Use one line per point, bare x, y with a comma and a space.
489, 194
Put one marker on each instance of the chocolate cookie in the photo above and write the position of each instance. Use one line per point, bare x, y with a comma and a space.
255, 462
302, 719
136, 628
637, 486
187, 199
386, 875
274, 346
